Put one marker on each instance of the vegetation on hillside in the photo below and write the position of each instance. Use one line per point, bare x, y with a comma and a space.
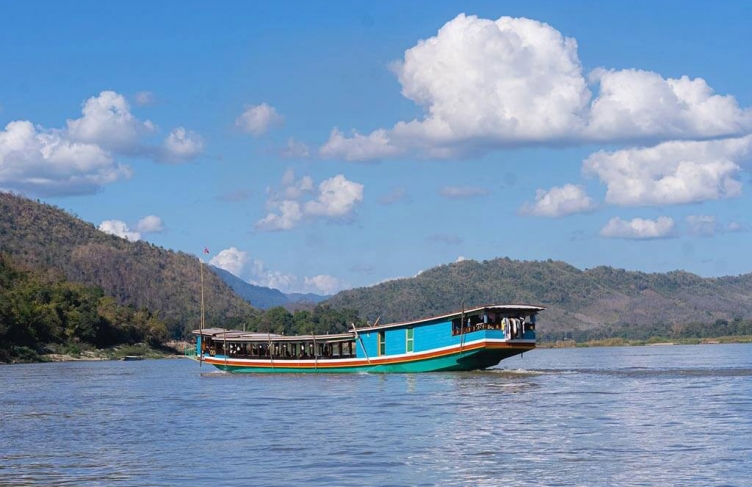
320, 320
658, 332
591, 301
136, 274
38, 309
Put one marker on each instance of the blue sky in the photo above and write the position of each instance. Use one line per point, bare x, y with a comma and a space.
319, 146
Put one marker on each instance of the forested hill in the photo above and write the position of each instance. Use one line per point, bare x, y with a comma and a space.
136, 274
602, 297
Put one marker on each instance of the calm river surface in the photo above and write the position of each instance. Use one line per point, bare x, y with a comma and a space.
651, 416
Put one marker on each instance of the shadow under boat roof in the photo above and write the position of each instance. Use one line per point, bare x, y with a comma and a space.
220, 334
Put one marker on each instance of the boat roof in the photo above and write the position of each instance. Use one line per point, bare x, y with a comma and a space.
502, 308
247, 336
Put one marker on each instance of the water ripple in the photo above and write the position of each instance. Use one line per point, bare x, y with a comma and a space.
581, 417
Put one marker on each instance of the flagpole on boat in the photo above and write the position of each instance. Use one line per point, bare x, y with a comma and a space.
462, 326
201, 321
360, 340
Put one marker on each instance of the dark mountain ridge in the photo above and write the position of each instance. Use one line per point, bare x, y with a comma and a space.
265, 297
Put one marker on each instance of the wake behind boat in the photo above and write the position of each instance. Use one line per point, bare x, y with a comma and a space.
473, 339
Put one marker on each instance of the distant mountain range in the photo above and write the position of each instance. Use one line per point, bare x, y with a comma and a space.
597, 298
265, 297
138, 274
141, 275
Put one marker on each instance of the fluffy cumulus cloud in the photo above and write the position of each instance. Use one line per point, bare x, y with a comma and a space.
119, 229
232, 260
559, 201
298, 200
255, 271
181, 145
108, 122
672, 172
150, 224
81, 158
634, 104
48, 163
487, 84
146, 225
639, 228
257, 119
357, 147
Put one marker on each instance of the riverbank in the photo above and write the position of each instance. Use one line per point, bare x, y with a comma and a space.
83, 352
655, 341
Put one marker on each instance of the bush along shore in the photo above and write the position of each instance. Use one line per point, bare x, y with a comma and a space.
85, 352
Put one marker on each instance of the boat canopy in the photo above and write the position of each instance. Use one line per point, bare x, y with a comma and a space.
220, 334
496, 308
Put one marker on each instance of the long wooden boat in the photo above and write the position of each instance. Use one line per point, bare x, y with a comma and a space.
472, 339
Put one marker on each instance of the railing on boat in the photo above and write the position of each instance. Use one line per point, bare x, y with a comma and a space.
189, 352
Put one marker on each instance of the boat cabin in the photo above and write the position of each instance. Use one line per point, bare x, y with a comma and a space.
239, 344
507, 322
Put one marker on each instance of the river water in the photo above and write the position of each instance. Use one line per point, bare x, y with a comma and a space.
641, 416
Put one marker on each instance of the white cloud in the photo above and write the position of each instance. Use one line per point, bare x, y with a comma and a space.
559, 201
634, 104
702, 225
232, 260
257, 119
335, 199
288, 215
461, 258
638, 228
181, 145
462, 192
262, 276
46, 163
671, 172
145, 98
80, 158
150, 224
487, 84
296, 148
734, 226
323, 284
239, 263
119, 229
108, 122
359, 147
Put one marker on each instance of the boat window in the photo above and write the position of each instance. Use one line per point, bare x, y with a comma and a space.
410, 340
382, 343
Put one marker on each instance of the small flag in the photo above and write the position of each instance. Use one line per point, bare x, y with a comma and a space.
206, 250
